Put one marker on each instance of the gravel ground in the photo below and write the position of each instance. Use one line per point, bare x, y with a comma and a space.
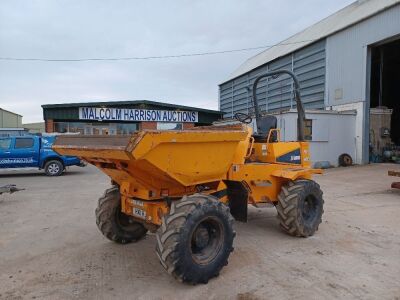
50, 247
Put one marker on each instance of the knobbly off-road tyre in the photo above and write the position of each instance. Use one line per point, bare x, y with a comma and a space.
300, 207
195, 238
115, 225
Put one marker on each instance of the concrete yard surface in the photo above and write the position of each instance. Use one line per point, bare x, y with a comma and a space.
50, 247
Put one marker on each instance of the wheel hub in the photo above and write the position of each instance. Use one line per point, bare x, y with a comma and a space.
206, 241
201, 237
124, 221
309, 208
53, 169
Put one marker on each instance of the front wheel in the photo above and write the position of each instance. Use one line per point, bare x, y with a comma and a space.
114, 224
53, 168
195, 238
300, 207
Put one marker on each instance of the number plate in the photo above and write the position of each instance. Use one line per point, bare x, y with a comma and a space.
139, 212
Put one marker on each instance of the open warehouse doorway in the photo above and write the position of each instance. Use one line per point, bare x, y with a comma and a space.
385, 102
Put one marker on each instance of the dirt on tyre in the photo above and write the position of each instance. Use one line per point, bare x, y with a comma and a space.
114, 224
54, 168
300, 207
195, 239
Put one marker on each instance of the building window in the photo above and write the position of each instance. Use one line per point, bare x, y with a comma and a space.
308, 130
99, 128
126, 129
169, 126
61, 127
76, 127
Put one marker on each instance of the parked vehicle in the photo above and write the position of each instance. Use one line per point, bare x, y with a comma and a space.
36, 152
187, 186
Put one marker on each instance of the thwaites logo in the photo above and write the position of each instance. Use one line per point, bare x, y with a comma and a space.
293, 157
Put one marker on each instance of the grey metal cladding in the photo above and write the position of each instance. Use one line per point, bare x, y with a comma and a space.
275, 94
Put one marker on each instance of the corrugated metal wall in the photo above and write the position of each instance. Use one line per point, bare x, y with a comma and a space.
277, 94
347, 56
348, 69
9, 119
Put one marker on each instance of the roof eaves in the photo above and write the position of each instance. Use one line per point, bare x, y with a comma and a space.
307, 43
11, 112
128, 102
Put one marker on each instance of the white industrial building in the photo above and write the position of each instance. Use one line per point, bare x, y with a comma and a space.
348, 65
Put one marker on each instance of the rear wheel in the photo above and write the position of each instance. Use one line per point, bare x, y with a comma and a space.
300, 207
53, 168
195, 239
114, 224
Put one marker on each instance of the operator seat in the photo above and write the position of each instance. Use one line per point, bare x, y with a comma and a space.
265, 124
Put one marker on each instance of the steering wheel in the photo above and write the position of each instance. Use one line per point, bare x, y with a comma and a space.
243, 118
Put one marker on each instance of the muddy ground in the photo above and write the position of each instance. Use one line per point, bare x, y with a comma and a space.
50, 247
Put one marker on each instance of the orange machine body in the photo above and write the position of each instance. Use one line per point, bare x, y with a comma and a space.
153, 168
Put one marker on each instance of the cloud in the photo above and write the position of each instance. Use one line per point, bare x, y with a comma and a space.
76, 29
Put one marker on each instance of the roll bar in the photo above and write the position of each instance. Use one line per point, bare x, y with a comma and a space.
300, 109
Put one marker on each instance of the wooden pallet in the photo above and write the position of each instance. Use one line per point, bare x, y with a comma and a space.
395, 185
394, 173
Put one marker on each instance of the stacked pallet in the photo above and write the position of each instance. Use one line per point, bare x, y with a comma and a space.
395, 185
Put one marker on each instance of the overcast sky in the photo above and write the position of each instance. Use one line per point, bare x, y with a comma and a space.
101, 29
